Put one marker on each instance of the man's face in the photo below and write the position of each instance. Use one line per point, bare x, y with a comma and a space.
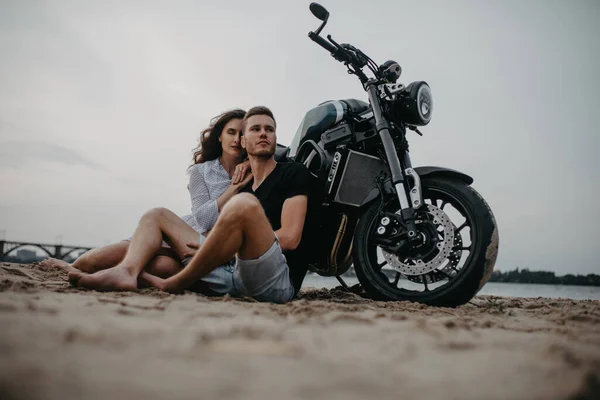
259, 138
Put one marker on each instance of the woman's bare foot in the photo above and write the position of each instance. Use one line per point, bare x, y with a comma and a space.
56, 263
75, 276
113, 279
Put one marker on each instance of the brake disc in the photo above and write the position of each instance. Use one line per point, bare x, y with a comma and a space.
456, 254
453, 261
444, 248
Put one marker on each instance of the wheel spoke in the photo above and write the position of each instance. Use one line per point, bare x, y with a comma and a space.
381, 264
444, 273
460, 228
433, 202
397, 279
443, 204
463, 248
425, 283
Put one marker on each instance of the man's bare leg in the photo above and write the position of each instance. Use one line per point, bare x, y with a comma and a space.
242, 229
146, 242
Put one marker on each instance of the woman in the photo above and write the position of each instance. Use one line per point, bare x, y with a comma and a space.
217, 174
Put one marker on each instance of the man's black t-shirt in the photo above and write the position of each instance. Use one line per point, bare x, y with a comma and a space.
287, 180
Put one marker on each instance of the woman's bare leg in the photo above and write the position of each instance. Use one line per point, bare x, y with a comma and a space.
92, 261
102, 257
146, 242
163, 266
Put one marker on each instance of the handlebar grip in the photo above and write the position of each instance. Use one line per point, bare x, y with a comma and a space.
322, 42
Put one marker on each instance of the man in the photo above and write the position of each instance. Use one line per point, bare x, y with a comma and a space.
264, 228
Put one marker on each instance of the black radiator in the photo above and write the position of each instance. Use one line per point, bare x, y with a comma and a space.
358, 178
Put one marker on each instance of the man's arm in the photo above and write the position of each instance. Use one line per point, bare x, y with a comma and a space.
293, 214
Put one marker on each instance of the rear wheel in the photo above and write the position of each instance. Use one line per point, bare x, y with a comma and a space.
455, 255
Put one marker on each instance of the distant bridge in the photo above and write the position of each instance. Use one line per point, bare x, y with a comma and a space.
59, 251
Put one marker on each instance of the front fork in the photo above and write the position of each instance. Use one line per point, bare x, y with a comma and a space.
409, 198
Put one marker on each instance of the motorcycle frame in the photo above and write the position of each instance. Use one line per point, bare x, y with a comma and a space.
398, 166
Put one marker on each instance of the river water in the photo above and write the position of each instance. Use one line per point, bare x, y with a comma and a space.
491, 288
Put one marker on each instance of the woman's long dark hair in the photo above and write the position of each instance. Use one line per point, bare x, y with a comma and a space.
209, 148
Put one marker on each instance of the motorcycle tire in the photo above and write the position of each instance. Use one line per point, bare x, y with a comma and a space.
472, 276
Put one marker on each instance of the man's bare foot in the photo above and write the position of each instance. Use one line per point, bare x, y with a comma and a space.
113, 279
165, 285
49, 263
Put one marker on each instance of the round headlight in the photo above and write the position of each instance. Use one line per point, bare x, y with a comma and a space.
424, 103
415, 104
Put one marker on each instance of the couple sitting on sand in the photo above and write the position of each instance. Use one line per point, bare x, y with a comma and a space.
246, 232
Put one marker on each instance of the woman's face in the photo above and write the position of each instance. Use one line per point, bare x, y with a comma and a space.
230, 138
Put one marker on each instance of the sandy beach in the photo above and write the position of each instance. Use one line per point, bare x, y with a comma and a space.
59, 342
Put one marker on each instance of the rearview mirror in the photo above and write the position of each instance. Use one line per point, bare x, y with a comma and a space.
319, 11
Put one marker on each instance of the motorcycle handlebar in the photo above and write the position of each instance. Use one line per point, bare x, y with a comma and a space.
343, 55
336, 50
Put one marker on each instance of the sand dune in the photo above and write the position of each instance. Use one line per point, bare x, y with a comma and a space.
58, 342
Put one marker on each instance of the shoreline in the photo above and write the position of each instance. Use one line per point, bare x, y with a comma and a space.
61, 342
390, 275
500, 289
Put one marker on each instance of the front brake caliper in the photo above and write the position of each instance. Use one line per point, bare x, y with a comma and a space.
390, 231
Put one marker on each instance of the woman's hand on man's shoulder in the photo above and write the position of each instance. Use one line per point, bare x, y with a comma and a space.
242, 171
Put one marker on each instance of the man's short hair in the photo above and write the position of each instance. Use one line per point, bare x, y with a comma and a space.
259, 110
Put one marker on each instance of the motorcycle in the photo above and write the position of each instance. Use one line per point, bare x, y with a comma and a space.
420, 234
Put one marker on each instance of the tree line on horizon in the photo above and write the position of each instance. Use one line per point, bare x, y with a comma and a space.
545, 277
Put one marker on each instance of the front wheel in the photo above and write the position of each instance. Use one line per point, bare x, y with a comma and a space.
453, 259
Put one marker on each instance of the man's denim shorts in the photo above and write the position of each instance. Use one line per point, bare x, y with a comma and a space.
266, 278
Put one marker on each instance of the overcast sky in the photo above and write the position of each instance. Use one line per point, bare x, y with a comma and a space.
101, 103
